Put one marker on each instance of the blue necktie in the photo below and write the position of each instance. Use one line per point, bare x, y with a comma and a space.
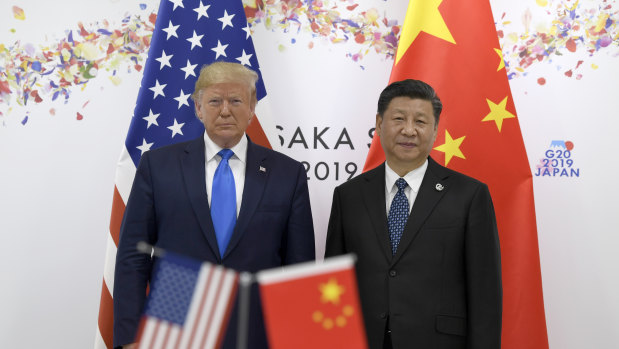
223, 201
398, 215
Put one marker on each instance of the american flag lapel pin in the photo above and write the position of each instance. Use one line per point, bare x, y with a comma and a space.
262, 169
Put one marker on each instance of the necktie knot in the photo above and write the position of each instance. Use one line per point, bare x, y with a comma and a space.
401, 183
225, 154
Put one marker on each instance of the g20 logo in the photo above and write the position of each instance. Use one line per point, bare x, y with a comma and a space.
558, 161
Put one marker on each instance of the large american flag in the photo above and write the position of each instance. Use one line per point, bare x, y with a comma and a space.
188, 34
188, 306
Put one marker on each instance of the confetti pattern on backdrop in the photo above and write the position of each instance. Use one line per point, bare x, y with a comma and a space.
340, 21
583, 29
31, 73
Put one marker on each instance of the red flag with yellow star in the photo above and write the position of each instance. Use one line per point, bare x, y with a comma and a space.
310, 305
453, 46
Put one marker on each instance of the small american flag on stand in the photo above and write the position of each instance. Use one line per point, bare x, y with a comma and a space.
189, 304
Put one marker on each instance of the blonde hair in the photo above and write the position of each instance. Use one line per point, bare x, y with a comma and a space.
222, 72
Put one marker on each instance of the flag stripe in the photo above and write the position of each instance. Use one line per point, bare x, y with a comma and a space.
99, 342
142, 328
148, 333
106, 304
262, 128
125, 171
207, 307
198, 296
118, 209
181, 334
166, 337
175, 332
106, 309
222, 298
228, 310
204, 282
158, 336
110, 262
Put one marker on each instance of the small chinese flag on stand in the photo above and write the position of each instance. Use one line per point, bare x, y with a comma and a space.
313, 305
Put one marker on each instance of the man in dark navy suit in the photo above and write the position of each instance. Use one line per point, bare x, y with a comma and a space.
219, 198
426, 239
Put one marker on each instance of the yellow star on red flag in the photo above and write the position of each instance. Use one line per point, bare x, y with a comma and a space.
502, 62
422, 16
331, 291
451, 147
498, 113
310, 305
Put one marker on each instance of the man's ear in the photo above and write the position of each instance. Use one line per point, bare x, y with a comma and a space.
379, 121
252, 108
196, 106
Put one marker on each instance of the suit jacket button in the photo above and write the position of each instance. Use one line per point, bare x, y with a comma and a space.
383, 315
392, 273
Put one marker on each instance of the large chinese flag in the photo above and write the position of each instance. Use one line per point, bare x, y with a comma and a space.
453, 46
309, 306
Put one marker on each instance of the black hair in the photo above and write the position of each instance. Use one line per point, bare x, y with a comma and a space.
415, 89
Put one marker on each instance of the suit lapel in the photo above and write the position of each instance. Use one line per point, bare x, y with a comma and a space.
192, 164
374, 200
427, 198
255, 181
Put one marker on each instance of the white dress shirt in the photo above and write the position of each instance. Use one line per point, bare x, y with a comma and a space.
413, 178
237, 165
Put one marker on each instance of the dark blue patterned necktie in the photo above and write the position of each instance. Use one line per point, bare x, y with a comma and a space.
223, 201
398, 215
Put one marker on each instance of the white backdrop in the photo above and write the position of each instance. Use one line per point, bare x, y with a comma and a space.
57, 172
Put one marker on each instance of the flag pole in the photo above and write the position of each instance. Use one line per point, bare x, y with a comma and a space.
150, 249
245, 281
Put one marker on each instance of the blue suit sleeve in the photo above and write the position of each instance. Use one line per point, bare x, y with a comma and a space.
133, 268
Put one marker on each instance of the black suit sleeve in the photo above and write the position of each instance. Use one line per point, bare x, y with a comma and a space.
335, 235
133, 268
483, 273
300, 243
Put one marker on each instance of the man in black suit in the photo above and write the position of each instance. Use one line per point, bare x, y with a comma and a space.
177, 203
428, 267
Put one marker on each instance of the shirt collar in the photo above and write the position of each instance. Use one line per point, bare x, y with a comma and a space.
413, 178
211, 148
